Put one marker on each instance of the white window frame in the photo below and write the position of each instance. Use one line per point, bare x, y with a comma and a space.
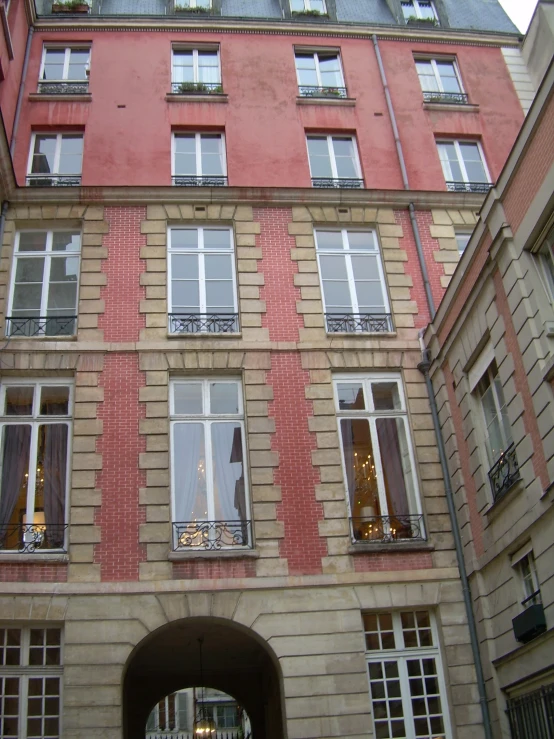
458, 232
156, 712
36, 420
401, 655
201, 252
348, 253
308, 6
67, 49
316, 54
526, 557
545, 255
197, 138
195, 50
372, 415
438, 79
461, 163
417, 9
207, 419
57, 154
48, 255
24, 672
507, 439
329, 138
193, 4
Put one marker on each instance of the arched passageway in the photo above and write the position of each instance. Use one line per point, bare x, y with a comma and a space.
235, 660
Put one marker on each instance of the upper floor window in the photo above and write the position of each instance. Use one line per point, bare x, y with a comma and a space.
419, 10
319, 74
406, 678
334, 161
463, 166
353, 281
44, 285
55, 159
530, 586
499, 445
191, 4
462, 239
64, 71
30, 682
317, 7
199, 159
202, 296
210, 490
35, 425
377, 455
546, 256
440, 81
195, 71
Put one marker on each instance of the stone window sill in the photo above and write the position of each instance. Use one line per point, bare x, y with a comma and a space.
41, 338
174, 97
457, 108
38, 558
363, 334
399, 546
214, 554
205, 335
345, 102
43, 97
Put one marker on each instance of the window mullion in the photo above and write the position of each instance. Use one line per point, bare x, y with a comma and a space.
436, 72
57, 153
209, 468
198, 147
31, 480
195, 76
461, 161
317, 70
45, 294
378, 466
201, 273
406, 697
351, 283
331, 149
67, 55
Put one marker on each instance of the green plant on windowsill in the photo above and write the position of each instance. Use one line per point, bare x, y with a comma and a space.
414, 20
188, 9
200, 87
309, 14
71, 6
331, 92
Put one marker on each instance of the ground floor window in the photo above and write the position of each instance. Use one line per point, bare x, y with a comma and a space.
532, 714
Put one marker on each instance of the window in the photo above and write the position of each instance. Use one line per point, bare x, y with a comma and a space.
317, 7
227, 716
187, 4
44, 286
199, 159
405, 675
55, 159
64, 71
531, 713
352, 281
499, 445
546, 257
463, 166
196, 70
35, 427
524, 565
419, 10
203, 296
210, 492
170, 714
334, 162
378, 460
440, 81
30, 683
462, 239
319, 74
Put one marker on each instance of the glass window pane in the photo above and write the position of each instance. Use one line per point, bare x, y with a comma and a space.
78, 62
362, 240
64, 269
187, 397
218, 267
329, 240
54, 401
473, 162
189, 460
62, 241
217, 238
224, 397
184, 238
344, 157
53, 64
212, 155
185, 296
32, 241
449, 80
370, 297
71, 155
351, 396
306, 68
397, 472
449, 160
333, 267
43, 154
337, 296
19, 401
219, 296
185, 154
320, 162
386, 396
228, 478
184, 267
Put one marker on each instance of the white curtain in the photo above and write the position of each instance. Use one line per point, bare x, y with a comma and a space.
226, 473
190, 475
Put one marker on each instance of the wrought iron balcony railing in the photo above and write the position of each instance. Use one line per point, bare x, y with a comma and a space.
196, 88
388, 529
31, 538
41, 326
218, 734
349, 183
191, 180
483, 187
53, 180
532, 715
60, 87
353, 323
311, 91
504, 473
200, 323
453, 98
212, 535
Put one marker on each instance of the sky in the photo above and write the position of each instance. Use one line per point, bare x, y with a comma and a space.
520, 11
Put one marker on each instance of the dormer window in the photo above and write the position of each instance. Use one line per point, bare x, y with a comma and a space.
419, 10
313, 7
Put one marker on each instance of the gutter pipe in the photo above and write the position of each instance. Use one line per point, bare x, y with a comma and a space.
424, 367
20, 93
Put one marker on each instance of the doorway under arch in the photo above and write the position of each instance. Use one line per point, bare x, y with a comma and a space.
235, 660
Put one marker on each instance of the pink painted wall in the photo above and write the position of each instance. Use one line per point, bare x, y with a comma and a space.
264, 127
12, 68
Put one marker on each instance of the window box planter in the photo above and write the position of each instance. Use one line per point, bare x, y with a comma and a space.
529, 624
422, 22
76, 7
183, 10
309, 14
197, 88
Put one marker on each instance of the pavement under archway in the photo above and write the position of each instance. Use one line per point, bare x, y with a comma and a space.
235, 660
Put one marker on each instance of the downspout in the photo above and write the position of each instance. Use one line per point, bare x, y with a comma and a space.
411, 209
424, 369
21, 88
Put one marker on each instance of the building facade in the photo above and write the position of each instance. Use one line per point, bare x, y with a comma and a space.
224, 226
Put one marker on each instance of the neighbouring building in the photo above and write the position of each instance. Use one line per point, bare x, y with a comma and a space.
492, 351
224, 225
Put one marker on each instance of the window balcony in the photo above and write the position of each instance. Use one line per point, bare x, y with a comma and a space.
348, 183
61, 87
311, 91
203, 323
186, 180
39, 326
532, 714
354, 323
211, 536
452, 98
388, 529
482, 187
53, 180
529, 624
504, 473
196, 88
30, 538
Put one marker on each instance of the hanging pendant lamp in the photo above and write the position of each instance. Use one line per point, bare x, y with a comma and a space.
204, 726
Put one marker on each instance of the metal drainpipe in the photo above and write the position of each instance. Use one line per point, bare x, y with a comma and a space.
411, 209
424, 369
21, 87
